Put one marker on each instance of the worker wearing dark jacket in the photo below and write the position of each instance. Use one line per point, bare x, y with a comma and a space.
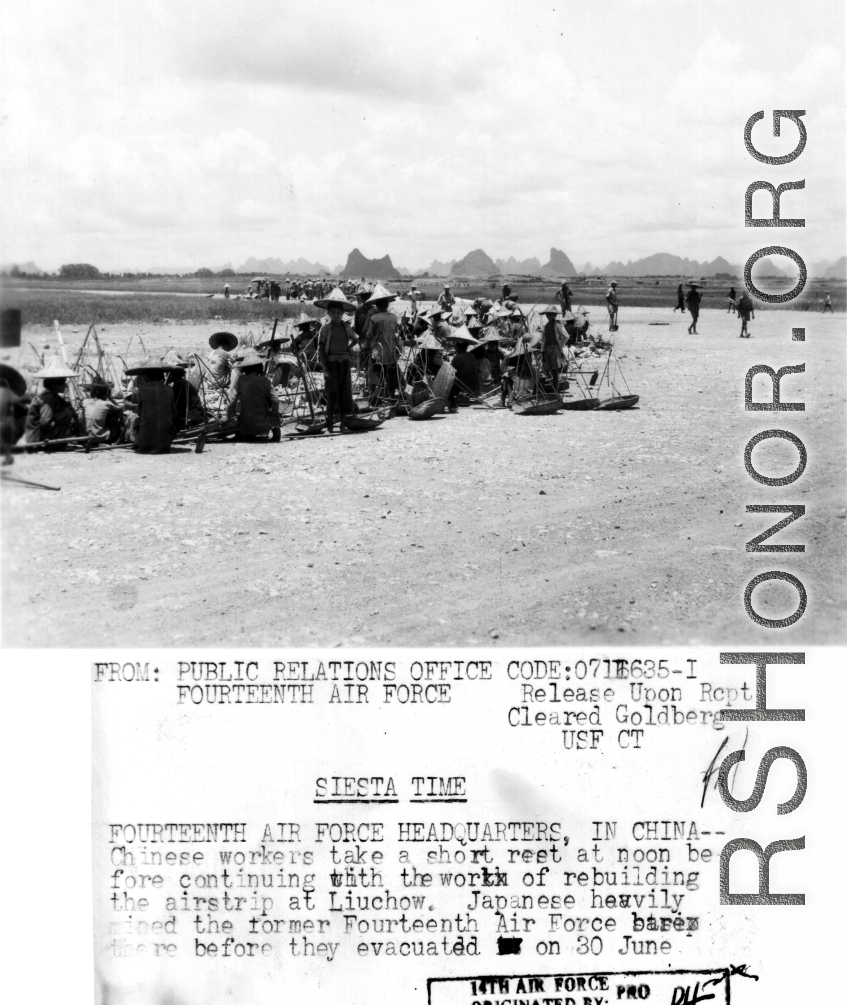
335, 340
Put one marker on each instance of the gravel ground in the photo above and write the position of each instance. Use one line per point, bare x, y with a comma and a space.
482, 527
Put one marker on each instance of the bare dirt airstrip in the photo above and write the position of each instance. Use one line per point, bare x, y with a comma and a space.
481, 527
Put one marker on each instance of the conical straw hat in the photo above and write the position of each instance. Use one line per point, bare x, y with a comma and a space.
463, 335
302, 320
16, 382
490, 334
381, 293
427, 341
469, 312
223, 340
250, 358
147, 364
56, 369
96, 381
336, 299
473, 324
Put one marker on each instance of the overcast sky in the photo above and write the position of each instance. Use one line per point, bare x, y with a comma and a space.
190, 134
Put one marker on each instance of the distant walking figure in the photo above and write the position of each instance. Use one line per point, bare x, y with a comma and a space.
745, 312
680, 300
612, 305
731, 300
226, 291
693, 301
827, 304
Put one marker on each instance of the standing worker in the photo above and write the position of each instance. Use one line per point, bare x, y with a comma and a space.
226, 291
693, 301
680, 300
364, 310
335, 340
612, 305
380, 344
564, 296
553, 338
446, 299
827, 303
731, 300
745, 312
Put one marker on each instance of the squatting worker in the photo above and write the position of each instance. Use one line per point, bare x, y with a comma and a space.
254, 401
103, 418
693, 301
189, 408
219, 363
745, 312
612, 304
380, 342
335, 340
156, 421
51, 416
440, 329
466, 367
13, 409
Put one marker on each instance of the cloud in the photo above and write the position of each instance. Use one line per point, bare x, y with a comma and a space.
217, 135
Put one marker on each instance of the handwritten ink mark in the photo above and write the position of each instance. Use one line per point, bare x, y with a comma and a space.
709, 773
741, 971
735, 970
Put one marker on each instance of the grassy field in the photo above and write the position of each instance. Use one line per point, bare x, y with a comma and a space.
79, 307
111, 301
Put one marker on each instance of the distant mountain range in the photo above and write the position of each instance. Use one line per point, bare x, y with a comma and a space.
438, 268
671, 265
475, 263
299, 266
512, 267
28, 268
370, 268
478, 263
831, 270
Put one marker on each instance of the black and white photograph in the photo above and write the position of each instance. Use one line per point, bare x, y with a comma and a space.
423, 502
383, 325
